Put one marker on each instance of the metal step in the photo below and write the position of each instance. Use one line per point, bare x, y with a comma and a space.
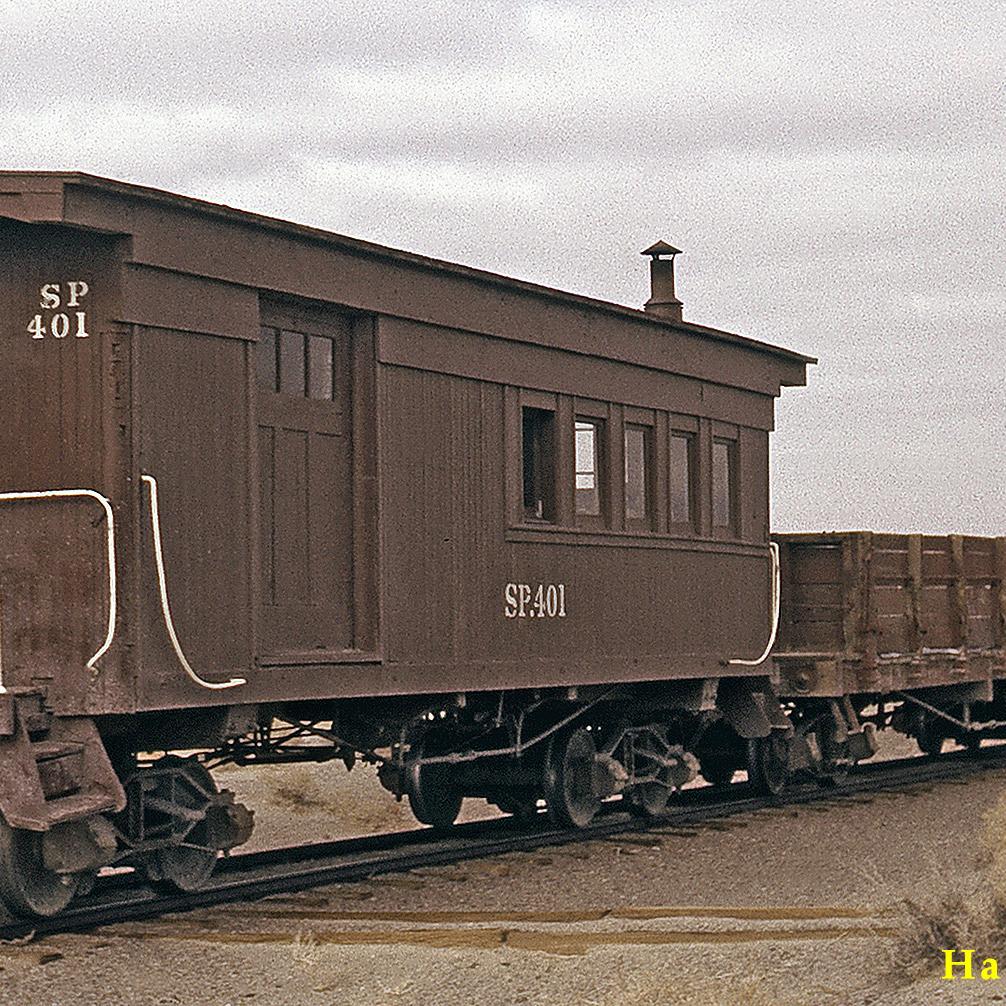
48, 750
58, 774
78, 806
60, 766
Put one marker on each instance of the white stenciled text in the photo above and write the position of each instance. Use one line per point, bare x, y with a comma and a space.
526, 600
63, 313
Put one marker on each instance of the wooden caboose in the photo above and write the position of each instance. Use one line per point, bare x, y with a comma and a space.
357, 452
253, 470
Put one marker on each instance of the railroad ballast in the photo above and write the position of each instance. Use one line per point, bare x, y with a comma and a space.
273, 494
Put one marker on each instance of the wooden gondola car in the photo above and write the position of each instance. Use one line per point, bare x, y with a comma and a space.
911, 626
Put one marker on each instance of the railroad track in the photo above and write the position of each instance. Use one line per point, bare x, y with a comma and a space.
124, 897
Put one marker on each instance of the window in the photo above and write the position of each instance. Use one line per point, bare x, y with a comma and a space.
682, 478
588, 466
291, 363
320, 368
295, 364
638, 505
538, 451
266, 360
724, 484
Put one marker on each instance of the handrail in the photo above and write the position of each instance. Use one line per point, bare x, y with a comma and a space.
776, 596
110, 533
155, 526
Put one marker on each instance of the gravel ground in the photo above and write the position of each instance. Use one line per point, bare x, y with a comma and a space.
785, 905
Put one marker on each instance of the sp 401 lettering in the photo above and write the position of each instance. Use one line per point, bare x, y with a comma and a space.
63, 313
527, 600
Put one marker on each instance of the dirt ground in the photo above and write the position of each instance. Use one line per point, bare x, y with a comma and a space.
784, 905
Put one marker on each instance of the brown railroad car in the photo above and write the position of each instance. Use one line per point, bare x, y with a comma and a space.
262, 482
916, 619
356, 452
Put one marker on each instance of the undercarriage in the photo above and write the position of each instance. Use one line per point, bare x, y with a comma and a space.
77, 796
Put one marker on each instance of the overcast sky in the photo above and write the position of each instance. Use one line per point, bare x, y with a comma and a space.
833, 172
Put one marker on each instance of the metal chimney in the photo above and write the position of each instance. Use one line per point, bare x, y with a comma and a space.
662, 302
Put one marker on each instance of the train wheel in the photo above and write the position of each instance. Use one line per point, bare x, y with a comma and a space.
928, 730
768, 763
717, 770
649, 752
972, 742
27, 887
832, 770
432, 795
648, 800
569, 778
930, 737
188, 866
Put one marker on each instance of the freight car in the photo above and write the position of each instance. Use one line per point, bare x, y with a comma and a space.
912, 627
273, 494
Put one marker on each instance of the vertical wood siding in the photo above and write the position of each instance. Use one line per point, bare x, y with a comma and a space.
61, 430
194, 441
447, 558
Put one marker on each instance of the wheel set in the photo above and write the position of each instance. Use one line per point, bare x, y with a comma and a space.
185, 792
174, 827
768, 763
570, 778
573, 771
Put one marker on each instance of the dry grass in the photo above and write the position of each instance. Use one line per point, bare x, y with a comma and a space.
641, 987
305, 950
992, 843
973, 920
970, 919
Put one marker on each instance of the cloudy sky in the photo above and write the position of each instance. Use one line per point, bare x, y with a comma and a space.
834, 172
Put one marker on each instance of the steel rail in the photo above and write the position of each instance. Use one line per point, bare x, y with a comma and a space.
250, 876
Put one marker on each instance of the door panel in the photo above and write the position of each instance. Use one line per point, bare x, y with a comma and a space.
306, 509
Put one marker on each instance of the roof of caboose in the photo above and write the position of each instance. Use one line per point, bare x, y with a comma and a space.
39, 197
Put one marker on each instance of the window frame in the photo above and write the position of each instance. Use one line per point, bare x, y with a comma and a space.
540, 467
613, 423
602, 468
275, 330
691, 526
647, 521
730, 530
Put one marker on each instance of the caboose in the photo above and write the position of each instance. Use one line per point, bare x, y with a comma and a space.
271, 493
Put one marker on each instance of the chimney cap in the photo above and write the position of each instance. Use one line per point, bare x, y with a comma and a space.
661, 248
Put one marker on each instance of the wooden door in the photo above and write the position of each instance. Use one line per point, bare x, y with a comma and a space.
305, 464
